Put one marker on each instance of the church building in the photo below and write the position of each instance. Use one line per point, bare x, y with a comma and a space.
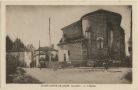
96, 37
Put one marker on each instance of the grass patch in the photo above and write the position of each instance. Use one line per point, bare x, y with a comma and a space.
25, 79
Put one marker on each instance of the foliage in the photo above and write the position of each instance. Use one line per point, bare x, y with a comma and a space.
30, 47
21, 77
127, 62
16, 45
11, 65
15, 74
25, 79
9, 44
128, 76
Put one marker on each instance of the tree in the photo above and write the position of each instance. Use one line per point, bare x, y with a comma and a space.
9, 43
18, 45
30, 47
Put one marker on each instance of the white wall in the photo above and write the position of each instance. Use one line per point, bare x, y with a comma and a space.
61, 55
28, 58
85, 25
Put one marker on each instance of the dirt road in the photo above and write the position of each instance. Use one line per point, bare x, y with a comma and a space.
80, 75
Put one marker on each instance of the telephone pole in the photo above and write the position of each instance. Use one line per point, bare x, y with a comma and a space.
39, 51
49, 41
49, 33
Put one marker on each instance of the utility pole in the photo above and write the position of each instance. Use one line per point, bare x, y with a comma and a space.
39, 51
49, 33
49, 41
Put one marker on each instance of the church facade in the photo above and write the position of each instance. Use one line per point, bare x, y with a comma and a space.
96, 37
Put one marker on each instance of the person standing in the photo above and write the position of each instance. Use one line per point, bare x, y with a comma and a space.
105, 64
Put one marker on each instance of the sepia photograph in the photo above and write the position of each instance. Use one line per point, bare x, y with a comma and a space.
69, 44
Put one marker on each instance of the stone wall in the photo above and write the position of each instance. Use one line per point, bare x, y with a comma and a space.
75, 52
102, 25
98, 29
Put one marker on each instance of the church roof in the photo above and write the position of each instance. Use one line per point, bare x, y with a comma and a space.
71, 41
73, 24
101, 11
46, 48
74, 32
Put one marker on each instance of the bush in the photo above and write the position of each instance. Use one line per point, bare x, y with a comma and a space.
25, 79
127, 62
20, 71
15, 74
128, 76
11, 65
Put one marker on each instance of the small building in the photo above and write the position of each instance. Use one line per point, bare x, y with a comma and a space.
63, 56
24, 57
96, 37
45, 55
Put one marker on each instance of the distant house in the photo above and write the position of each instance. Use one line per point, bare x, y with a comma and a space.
25, 57
45, 54
96, 37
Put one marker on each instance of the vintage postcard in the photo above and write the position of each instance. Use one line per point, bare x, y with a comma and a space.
84, 45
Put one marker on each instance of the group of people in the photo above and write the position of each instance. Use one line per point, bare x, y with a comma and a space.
45, 62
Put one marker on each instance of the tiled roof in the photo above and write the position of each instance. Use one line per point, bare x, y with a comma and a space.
71, 41
46, 48
101, 11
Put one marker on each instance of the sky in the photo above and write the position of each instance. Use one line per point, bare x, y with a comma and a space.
31, 23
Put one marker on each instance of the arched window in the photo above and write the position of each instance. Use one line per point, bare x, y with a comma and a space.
118, 43
111, 37
99, 42
88, 33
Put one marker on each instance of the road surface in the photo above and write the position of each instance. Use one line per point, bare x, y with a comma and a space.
80, 75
